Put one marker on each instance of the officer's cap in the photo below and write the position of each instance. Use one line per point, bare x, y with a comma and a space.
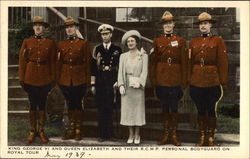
105, 28
40, 20
70, 21
129, 34
167, 16
205, 17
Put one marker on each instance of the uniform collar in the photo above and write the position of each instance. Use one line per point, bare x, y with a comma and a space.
169, 35
38, 36
71, 37
206, 35
106, 45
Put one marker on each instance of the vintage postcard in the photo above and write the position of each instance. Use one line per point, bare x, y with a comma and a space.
124, 79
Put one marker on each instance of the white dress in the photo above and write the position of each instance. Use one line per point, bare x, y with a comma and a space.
133, 102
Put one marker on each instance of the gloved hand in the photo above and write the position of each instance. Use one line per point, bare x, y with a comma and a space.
115, 85
122, 90
93, 90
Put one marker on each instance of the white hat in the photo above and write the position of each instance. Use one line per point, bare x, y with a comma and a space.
105, 28
129, 34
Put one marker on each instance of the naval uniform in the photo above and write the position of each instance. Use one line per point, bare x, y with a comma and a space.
37, 69
105, 70
208, 71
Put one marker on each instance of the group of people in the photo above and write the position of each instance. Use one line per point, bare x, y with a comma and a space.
171, 67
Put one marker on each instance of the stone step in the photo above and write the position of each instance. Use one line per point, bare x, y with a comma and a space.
12, 71
13, 81
15, 104
16, 91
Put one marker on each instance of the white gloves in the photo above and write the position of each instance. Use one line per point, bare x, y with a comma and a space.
93, 90
115, 85
122, 90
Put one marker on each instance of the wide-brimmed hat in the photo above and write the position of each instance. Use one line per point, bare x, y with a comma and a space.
167, 16
40, 20
129, 34
70, 21
205, 17
105, 28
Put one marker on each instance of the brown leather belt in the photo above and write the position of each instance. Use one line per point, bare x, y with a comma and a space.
73, 62
38, 62
170, 60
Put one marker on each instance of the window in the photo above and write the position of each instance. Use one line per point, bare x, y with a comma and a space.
18, 15
133, 14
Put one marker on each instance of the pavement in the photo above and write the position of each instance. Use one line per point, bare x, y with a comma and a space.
222, 139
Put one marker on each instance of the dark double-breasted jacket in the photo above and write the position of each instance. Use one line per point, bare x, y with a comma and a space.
105, 66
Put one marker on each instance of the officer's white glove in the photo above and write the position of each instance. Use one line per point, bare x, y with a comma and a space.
115, 85
136, 85
122, 90
93, 90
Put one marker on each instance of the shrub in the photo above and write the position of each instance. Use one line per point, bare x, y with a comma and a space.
232, 110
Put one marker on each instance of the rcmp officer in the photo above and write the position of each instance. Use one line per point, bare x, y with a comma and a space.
73, 76
104, 75
208, 72
37, 75
168, 73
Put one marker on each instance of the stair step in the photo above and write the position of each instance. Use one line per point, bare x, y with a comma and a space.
13, 81
13, 66
12, 71
18, 99
18, 111
16, 91
14, 78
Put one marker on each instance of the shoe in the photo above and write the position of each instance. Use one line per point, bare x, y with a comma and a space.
137, 141
130, 140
